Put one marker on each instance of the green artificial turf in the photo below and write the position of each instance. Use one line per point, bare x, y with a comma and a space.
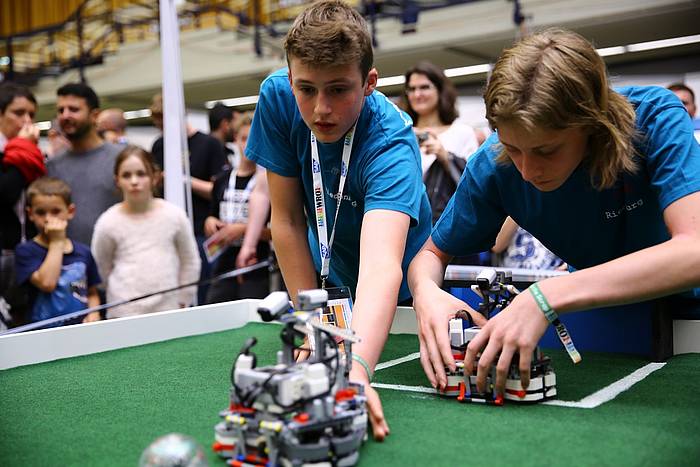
104, 409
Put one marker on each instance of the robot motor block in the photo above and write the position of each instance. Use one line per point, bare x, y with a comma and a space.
295, 413
497, 291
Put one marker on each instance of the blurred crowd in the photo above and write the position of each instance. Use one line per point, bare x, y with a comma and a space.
86, 224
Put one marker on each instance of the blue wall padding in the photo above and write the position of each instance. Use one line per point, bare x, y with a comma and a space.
624, 329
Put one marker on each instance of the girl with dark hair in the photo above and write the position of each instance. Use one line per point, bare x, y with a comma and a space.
445, 143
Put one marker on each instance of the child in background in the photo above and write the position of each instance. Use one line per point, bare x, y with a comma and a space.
144, 244
61, 274
228, 221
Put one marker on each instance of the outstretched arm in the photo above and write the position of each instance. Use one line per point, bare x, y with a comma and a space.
289, 233
674, 265
434, 309
382, 244
258, 210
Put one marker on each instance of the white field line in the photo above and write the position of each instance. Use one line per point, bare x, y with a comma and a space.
610, 392
402, 387
600, 397
397, 361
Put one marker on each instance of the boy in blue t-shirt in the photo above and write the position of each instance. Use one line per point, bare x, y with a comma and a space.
608, 180
61, 274
330, 142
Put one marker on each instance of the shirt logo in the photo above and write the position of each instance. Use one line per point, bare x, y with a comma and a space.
628, 207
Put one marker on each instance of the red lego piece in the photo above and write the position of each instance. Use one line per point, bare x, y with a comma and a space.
345, 394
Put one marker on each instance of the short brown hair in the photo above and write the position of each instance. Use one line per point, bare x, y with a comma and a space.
328, 33
49, 186
681, 87
447, 94
556, 80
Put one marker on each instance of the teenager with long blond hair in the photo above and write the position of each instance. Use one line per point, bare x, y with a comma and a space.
608, 180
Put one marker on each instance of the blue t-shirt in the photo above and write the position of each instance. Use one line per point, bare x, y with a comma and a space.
582, 226
78, 274
384, 172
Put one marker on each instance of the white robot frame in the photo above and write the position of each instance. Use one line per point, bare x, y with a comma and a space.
295, 413
497, 291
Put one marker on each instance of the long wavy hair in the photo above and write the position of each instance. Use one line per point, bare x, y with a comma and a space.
556, 80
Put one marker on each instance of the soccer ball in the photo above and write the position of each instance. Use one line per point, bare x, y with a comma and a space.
173, 450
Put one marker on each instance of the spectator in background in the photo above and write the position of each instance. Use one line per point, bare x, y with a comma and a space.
445, 143
156, 109
60, 274
144, 244
515, 247
221, 126
207, 160
228, 223
111, 126
21, 162
87, 165
686, 95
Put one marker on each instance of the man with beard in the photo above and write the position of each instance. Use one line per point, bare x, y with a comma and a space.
222, 121
88, 165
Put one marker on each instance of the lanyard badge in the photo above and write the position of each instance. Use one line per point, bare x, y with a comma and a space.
324, 243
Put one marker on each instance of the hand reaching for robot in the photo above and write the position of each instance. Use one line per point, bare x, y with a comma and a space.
434, 309
380, 428
516, 329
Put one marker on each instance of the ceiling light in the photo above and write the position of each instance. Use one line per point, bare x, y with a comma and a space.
233, 102
141, 113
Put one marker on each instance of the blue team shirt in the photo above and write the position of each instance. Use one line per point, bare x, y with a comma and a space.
384, 172
78, 274
582, 226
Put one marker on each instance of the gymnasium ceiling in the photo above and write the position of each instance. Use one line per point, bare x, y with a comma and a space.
219, 65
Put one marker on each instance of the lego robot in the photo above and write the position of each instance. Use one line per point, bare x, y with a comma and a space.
497, 291
295, 413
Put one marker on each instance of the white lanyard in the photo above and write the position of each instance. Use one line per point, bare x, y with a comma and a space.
226, 210
324, 244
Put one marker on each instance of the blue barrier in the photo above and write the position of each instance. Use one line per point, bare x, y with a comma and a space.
619, 329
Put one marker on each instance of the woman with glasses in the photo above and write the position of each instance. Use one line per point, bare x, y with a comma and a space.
445, 143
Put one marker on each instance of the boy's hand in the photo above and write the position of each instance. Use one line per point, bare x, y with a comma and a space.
432, 145
91, 317
55, 229
434, 309
247, 256
229, 233
380, 429
304, 352
212, 225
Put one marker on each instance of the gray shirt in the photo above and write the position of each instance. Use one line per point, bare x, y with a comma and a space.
91, 178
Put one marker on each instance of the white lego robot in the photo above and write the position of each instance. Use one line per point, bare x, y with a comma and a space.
295, 414
497, 291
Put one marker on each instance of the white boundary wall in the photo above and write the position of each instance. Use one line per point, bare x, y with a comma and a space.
83, 339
